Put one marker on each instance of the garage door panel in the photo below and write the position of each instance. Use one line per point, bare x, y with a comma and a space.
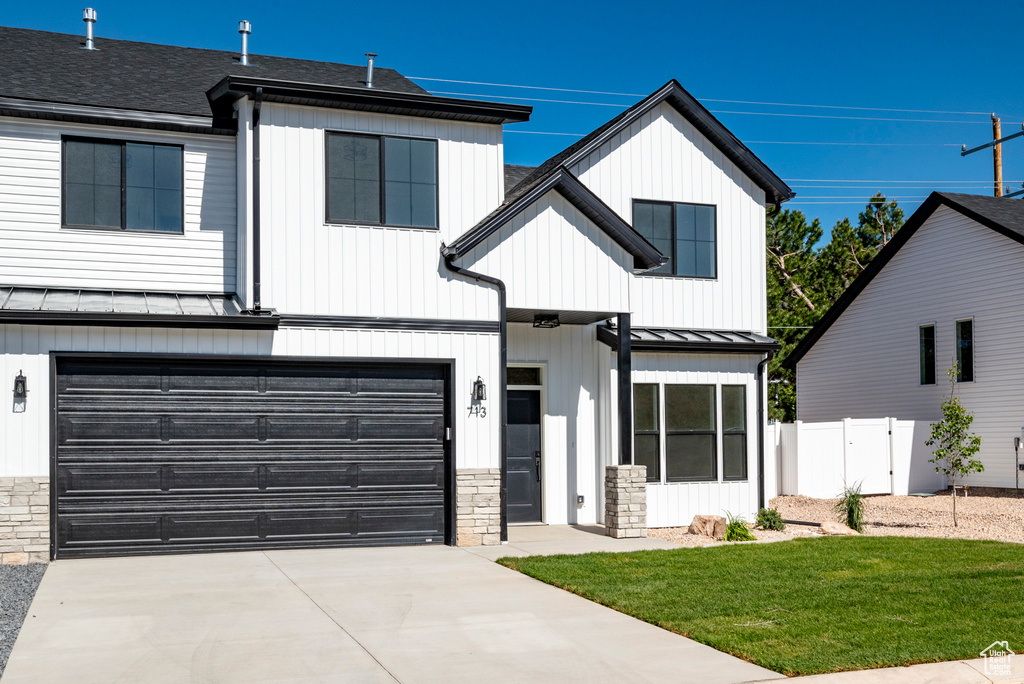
159, 457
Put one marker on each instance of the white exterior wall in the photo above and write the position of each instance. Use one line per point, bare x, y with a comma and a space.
25, 437
35, 251
312, 267
571, 454
866, 365
551, 256
661, 156
675, 503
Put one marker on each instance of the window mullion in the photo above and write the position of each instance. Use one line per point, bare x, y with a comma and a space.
124, 186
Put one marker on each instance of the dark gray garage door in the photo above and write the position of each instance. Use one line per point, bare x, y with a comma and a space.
156, 456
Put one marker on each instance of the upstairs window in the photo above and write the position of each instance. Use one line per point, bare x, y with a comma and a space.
965, 351
927, 353
685, 233
381, 180
123, 185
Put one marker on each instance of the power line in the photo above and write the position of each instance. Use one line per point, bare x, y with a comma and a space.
704, 99
771, 142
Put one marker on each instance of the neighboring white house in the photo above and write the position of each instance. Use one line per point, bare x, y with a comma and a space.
948, 287
282, 304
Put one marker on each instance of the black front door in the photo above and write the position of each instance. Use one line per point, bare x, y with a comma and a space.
523, 456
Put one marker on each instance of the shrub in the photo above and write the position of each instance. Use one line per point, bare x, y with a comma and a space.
850, 507
736, 529
770, 519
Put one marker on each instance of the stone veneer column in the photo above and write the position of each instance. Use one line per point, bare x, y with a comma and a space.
625, 501
24, 520
478, 507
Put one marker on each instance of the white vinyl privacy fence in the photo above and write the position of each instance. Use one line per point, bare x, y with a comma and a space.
885, 455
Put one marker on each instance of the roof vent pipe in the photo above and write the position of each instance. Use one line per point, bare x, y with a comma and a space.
369, 69
245, 28
89, 17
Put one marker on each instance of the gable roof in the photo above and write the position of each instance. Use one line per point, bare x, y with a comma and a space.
40, 66
645, 255
775, 189
1003, 215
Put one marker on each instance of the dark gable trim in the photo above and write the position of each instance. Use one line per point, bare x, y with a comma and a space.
223, 95
104, 116
371, 323
609, 337
776, 190
140, 320
645, 255
927, 208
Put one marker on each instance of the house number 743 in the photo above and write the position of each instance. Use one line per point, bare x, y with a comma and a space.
478, 411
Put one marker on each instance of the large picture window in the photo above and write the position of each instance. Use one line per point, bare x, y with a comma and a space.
690, 433
965, 351
122, 185
381, 180
685, 233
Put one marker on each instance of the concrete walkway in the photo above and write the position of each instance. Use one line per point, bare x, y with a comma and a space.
413, 614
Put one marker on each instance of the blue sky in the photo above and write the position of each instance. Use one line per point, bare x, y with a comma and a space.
859, 59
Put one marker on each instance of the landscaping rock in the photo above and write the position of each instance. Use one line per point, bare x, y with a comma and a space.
708, 526
837, 529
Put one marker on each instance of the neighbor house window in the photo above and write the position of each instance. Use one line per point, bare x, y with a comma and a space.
734, 432
965, 351
381, 180
927, 353
685, 233
646, 430
690, 433
122, 185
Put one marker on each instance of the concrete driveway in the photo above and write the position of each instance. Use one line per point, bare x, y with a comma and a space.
414, 614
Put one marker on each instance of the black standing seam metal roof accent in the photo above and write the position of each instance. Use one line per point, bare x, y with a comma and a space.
776, 190
1004, 216
655, 340
645, 255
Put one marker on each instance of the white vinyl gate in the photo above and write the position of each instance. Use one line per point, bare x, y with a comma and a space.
884, 455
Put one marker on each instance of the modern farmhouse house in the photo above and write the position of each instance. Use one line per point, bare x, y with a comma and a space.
254, 302
948, 288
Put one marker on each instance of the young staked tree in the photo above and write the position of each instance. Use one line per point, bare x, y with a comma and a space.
955, 445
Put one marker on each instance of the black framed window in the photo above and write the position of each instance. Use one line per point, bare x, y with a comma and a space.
927, 354
647, 430
690, 433
119, 185
965, 351
734, 432
381, 180
685, 233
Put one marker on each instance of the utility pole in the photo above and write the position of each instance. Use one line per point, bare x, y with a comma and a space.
997, 156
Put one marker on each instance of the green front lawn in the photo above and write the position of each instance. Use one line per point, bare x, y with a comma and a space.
814, 605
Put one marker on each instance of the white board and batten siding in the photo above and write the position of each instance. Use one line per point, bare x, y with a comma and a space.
867, 363
553, 257
675, 503
661, 156
315, 268
26, 348
36, 252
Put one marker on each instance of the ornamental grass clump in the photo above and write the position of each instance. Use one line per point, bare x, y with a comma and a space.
736, 529
770, 519
850, 507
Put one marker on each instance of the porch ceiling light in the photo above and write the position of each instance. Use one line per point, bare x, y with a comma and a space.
545, 321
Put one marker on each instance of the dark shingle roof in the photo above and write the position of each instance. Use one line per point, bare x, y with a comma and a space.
514, 174
1003, 215
53, 67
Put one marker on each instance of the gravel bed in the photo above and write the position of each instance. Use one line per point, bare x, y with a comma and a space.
985, 513
682, 536
18, 584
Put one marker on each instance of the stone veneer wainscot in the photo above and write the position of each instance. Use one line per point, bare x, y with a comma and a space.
24, 520
478, 507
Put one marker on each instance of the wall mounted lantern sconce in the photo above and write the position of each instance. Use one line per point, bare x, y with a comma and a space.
20, 388
479, 389
546, 321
